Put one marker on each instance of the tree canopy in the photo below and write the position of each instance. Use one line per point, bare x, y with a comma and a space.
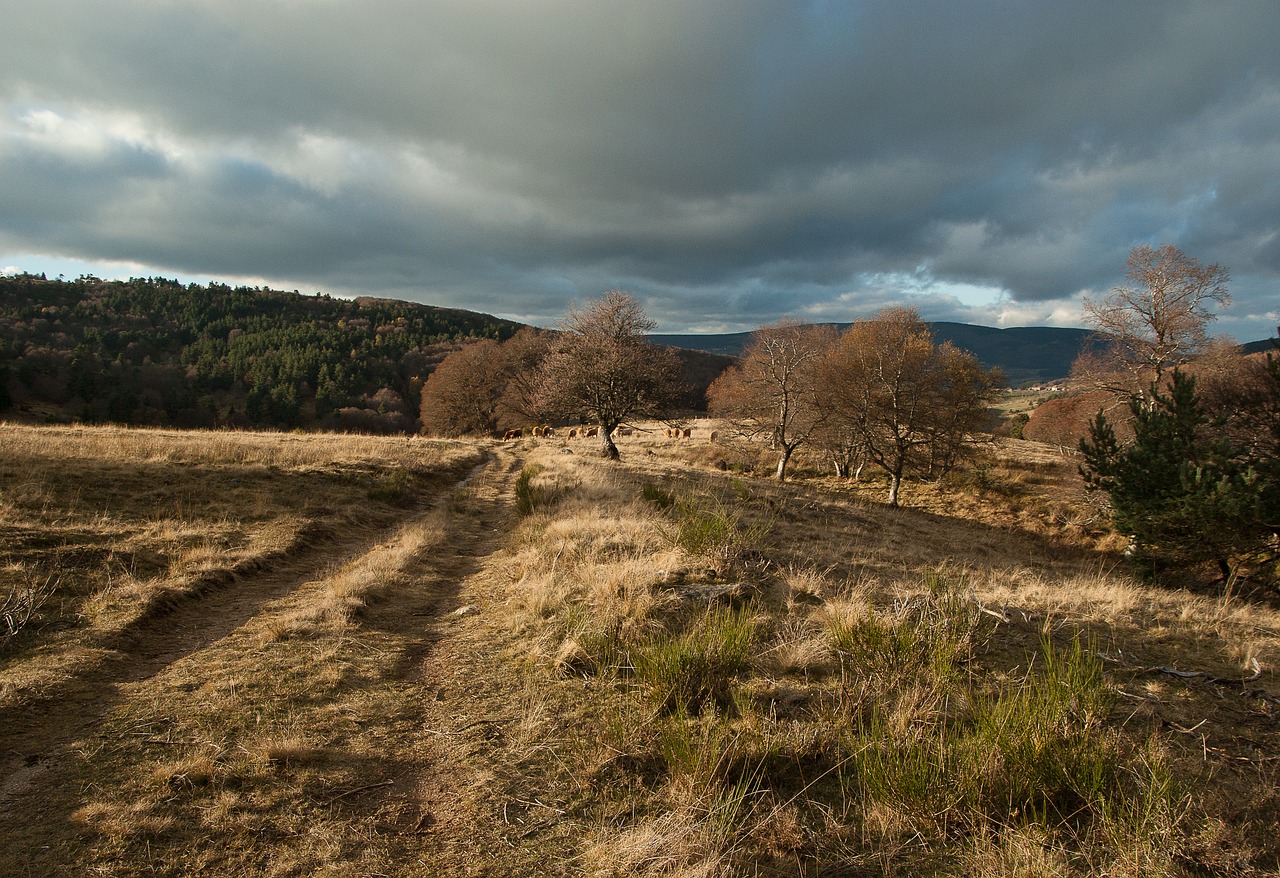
604, 370
909, 404
153, 351
1155, 322
1182, 489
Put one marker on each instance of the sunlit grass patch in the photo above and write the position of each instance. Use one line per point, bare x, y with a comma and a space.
695, 669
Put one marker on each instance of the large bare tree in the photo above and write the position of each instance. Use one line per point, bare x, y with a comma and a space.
911, 403
604, 370
462, 393
486, 387
1155, 322
773, 390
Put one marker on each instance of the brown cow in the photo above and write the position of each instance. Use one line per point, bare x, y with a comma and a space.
573, 434
592, 431
687, 433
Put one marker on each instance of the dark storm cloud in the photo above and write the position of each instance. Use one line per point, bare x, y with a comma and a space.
730, 162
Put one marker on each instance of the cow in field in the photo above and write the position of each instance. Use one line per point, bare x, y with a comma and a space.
512, 434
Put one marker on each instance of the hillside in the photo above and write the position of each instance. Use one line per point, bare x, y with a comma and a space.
152, 351
1024, 353
291, 654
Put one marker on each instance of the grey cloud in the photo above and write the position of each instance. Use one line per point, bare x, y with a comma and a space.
730, 161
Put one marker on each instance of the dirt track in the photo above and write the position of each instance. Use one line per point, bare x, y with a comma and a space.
428, 646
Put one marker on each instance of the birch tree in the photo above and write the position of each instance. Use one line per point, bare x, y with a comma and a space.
773, 390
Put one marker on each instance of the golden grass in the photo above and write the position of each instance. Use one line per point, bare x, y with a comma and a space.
354, 723
124, 522
241, 757
1022, 573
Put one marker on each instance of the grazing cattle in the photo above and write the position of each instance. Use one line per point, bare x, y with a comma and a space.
622, 431
512, 434
547, 431
573, 434
592, 431
687, 433
714, 435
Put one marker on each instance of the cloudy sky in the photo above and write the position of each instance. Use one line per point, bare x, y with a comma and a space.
729, 162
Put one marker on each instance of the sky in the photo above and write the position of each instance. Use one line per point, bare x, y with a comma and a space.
728, 162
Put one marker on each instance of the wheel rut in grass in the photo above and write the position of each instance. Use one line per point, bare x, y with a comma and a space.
465, 796
34, 731
406, 719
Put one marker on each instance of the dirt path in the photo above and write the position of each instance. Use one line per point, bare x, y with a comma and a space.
41, 742
493, 795
430, 749
34, 735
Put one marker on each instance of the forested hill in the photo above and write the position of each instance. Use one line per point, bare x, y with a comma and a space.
153, 351
1025, 353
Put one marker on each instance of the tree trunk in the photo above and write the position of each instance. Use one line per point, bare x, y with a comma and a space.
895, 482
782, 463
608, 450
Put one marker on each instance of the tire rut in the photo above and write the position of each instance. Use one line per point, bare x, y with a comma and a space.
34, 733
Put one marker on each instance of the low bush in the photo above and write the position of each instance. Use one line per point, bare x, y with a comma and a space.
695, 669
531, 496
713, 530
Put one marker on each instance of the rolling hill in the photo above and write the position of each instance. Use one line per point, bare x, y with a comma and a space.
1024, 353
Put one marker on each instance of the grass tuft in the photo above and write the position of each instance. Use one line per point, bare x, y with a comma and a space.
696, 669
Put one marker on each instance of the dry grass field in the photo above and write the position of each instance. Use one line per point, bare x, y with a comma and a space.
263, 654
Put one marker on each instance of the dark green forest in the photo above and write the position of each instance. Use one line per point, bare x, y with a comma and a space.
156, 352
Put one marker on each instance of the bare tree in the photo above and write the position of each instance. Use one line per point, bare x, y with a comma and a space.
486, 387
1242, 394
1153, 323
461, 394
962, 406
604, 369
520, 363
774, 388
911, 404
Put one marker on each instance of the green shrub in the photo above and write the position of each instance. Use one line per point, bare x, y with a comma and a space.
694, 669
397, 489
530, 496
1041, 748
937, 632
712, 529
658, 496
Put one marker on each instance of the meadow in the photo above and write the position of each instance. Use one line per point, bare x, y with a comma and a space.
289, 654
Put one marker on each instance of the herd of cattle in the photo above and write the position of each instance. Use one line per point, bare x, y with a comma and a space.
546, 431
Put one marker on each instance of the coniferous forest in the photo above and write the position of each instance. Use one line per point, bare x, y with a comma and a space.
156, 352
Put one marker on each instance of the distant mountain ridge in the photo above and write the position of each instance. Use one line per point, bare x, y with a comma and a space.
1024, 353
